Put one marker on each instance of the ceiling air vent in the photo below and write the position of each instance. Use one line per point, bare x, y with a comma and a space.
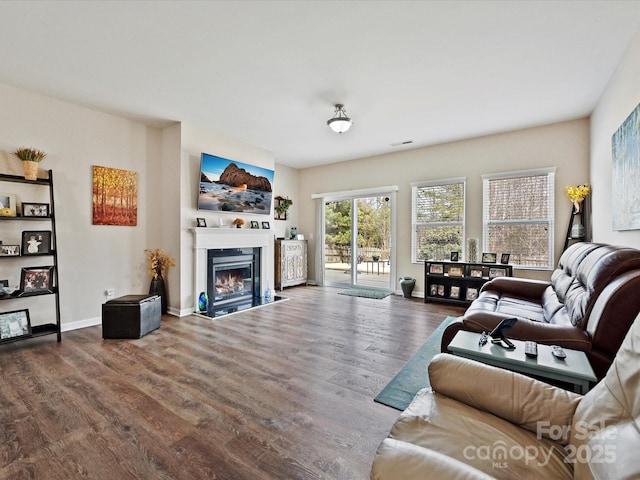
398, 144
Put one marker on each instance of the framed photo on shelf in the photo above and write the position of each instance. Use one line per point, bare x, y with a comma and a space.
37, 242
455, 271
497, 272
36, 280
433, 290
489, 257
8, 200
35, 209
504, 258
441, 290
455, 256
201, 222
15, 324
475, 272
437, 268
266, 225
254, 224
9, 250
454, 292
472, 294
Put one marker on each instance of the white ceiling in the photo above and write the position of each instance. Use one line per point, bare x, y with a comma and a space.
269, 72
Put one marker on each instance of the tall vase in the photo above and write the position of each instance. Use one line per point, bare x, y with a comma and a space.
407, 284
30, 170
577, 206
157, 287
472, 250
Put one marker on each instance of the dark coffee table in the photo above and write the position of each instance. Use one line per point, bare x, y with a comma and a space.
575, 369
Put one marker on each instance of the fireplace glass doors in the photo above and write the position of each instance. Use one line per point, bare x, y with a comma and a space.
233, 279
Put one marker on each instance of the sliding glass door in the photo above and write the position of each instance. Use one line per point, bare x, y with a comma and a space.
358, 241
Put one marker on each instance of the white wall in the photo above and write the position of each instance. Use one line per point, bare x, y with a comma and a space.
621, 96
286, 185
195, 140
91, 258
563, 145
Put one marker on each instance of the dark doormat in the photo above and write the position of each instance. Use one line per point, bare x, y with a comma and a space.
366, 293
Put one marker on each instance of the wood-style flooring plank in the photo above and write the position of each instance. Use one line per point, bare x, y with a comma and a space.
280, 392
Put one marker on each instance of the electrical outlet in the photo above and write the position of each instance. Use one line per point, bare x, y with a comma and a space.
109, 293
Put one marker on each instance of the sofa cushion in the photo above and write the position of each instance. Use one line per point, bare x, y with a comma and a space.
606, 424
599, 268
562, 277
497, 447
398, 460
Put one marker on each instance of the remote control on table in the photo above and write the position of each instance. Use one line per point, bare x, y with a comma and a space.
530, 348
558, 352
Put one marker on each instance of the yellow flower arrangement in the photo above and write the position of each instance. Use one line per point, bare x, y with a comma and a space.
159, 262
578, 193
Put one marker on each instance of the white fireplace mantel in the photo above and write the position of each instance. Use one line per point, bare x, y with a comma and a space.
206, 238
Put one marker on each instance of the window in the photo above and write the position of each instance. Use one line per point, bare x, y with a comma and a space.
437, 219
518, 216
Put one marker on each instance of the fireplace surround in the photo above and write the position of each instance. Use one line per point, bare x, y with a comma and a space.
211, 244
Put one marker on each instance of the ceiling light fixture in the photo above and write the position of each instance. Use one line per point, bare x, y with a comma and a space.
340, 123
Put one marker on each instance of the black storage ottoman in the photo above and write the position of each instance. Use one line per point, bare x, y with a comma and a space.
131, 316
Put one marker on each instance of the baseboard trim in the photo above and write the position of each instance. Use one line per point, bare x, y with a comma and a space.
88, 322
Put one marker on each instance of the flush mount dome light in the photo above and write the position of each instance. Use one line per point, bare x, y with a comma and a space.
340, 123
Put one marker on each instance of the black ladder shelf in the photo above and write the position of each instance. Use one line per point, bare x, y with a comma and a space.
577, 231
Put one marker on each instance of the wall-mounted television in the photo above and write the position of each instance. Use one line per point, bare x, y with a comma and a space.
235, 187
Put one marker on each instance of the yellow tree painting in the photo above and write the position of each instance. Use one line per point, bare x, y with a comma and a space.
115, 196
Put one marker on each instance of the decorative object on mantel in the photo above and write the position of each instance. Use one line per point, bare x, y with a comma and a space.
577, 194
30, 157
238, 222
293, 232
340, 123
281, 205
159, 263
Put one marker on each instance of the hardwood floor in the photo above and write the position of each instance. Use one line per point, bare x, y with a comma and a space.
280, 392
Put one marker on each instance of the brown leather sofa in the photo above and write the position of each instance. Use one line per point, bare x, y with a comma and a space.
482, 422
589, 304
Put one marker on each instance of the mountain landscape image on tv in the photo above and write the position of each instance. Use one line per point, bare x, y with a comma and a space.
235, 187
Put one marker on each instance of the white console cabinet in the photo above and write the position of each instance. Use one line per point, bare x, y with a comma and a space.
290, 263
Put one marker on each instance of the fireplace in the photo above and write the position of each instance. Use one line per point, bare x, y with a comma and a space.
233, 279
212, 243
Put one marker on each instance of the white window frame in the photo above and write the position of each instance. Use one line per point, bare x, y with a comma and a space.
414, 213
550, 221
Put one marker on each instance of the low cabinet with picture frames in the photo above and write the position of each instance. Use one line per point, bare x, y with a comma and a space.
29, 292
459, 282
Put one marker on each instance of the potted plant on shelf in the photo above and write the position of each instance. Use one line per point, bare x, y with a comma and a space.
281, 207
159, 262
30, 157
